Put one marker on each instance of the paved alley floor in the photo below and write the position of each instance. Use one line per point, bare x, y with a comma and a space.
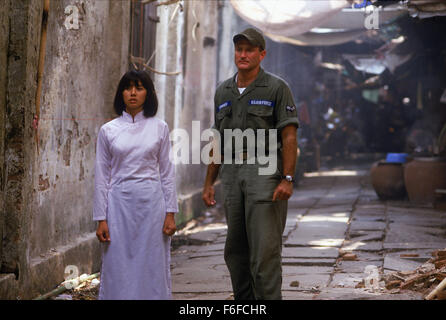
331, 213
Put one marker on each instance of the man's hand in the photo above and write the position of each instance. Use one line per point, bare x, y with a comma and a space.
285, 188
208, 196
102, 231
169, 227
283, 191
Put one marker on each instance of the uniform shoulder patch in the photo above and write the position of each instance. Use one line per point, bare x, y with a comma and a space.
290, 108
224, 105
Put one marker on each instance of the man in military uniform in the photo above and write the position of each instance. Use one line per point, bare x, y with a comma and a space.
255, 204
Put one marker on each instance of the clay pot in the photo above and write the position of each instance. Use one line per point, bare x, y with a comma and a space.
388, 180
423, 176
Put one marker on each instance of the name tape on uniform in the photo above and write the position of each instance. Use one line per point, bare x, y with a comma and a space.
261, 103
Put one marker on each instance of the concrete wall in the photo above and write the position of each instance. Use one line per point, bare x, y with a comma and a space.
47, 214
230, 24
187, 42
4, 40
81, 73
25, 20
199, 86
169, 58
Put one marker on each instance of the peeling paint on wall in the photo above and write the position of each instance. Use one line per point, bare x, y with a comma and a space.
79, 81
66, 154
44, 184
81, 171
4, 41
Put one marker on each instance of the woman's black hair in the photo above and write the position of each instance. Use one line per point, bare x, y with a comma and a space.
133, 77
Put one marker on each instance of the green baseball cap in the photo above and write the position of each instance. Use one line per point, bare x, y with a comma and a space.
253, 36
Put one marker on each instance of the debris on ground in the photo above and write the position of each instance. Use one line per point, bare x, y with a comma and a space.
409, 255
372, 281
87, 290
64, 297
348, 256
425, 279
429, 279
294, 283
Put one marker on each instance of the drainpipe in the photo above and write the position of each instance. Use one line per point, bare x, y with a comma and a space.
46, 8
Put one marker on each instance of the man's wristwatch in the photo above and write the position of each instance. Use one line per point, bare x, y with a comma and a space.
288, 178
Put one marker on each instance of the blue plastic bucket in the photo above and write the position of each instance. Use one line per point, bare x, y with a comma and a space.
396, 157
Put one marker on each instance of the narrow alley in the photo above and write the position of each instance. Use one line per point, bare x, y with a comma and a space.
337, 236
363, 82
331, 214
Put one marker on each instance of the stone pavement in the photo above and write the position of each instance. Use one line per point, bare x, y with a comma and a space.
330, 213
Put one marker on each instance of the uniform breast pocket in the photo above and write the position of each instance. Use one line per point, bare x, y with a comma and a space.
260, 117
224, 117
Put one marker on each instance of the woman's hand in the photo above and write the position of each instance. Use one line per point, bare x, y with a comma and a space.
102, 231
169, 227
208, 196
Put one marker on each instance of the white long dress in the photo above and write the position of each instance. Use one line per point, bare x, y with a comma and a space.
134, 188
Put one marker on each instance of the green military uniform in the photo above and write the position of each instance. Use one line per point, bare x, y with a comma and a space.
255, 223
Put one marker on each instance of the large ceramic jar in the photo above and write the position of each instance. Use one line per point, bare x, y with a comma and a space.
423, 176
388, 180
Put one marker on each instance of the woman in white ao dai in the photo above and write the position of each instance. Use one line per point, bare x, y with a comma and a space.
135, 197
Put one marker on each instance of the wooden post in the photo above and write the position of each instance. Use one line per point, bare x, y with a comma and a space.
439, 288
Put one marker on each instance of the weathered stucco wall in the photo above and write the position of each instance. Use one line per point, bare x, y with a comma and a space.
169, 59
22, 58
199, 87
4, 40
199, 82
48, 209
230, 24
187, 42
82, 69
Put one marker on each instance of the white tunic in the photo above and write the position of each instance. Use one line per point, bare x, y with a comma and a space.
134, 188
